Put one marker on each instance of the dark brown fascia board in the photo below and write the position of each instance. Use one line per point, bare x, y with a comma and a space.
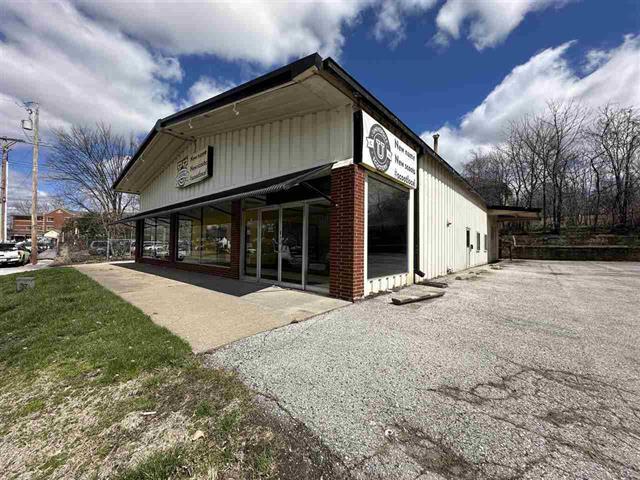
331, 66
266, 82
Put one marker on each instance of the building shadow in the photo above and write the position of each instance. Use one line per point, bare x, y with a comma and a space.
237, 288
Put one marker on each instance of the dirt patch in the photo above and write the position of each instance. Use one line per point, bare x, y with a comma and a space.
172, 415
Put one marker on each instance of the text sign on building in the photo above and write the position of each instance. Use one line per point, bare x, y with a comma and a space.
385, 153
195, 167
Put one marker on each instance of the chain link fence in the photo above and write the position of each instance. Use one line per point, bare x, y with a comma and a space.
81, 249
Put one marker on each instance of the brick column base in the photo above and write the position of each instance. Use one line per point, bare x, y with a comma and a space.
347, 233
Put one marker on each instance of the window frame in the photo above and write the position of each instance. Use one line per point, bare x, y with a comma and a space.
385, 181
166, 258
200, 262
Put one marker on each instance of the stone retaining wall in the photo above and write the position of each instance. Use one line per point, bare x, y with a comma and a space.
588, 252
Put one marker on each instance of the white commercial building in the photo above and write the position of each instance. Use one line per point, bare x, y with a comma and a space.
303, 178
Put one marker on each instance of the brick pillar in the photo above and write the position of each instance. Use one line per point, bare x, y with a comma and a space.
236, 232
347, 233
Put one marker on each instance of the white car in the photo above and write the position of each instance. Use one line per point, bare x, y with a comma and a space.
10, 254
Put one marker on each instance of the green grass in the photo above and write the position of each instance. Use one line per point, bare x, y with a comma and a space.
82, 342
32, 407
204, 409
159, 466
71, 323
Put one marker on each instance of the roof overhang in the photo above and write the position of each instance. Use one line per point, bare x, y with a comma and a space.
292, 90
506, 213
307, 85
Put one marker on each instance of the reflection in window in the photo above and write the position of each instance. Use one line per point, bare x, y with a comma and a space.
204, 236
216, 236
387, 217
318, 265
250, 243
156, 238
189, 233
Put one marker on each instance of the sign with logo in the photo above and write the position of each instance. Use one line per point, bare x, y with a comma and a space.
382, 151
195, 167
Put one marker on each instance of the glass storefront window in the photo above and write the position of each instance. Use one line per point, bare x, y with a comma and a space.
250, 243
216, 236
269, 245
387, 229
204, 236
156, 238
189, 233
318, 245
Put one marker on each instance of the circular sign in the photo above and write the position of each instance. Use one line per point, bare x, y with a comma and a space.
379, 148
182, 177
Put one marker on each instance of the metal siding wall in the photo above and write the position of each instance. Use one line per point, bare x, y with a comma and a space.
442, 197
260, 152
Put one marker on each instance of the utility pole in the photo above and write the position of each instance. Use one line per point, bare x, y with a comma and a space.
7, 144
34, 192
34, 109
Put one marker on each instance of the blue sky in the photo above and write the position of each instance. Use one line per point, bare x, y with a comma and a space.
463, 68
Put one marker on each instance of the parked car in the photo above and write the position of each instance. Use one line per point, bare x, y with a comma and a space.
10, 254
98, 247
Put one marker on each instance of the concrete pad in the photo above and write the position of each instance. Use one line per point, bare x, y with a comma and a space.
205, 310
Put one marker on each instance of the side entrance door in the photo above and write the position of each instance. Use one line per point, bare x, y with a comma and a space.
468, 249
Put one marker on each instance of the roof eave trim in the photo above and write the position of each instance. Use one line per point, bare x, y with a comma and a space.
265, 82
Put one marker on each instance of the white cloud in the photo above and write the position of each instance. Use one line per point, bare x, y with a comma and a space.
205, 88
19, 191
80, 71
262, 32
489, 21
118, 61
390, 21
545, 76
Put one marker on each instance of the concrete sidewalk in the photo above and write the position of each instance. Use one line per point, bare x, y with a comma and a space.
205, 310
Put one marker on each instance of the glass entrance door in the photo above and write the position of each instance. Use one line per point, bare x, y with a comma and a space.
288, 245
291, 247
318, 246
269, 245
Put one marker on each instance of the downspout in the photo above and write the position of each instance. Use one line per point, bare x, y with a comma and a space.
416, 221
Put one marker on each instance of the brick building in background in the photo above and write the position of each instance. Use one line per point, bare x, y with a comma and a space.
20, 227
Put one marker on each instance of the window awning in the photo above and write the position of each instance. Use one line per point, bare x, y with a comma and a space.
274, 185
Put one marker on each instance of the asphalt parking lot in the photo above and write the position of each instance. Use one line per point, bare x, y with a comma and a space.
528, 372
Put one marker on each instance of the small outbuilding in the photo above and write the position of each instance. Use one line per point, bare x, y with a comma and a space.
302, 178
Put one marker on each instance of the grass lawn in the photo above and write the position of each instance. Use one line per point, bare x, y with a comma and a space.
91, 388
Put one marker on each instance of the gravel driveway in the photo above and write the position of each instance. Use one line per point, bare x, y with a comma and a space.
532, 371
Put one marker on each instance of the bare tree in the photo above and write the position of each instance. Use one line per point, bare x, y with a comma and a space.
566, 121
615, 142
536, 136
85, 162
582, 167
23, 206
488, 176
